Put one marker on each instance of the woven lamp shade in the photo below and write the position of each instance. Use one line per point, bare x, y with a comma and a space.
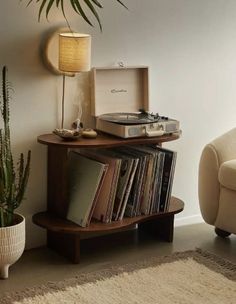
74, 52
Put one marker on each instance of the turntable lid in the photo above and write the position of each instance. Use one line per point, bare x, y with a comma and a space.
121, 89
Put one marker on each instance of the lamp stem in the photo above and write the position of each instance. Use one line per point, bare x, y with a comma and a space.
63, 102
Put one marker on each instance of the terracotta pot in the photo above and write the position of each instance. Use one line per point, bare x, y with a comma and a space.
12, 244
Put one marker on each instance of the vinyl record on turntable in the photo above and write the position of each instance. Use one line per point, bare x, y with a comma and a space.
130, 118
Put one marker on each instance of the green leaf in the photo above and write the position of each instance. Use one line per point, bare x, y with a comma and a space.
74, 6
122, 4
41, 9
79, 8
89, 4
62, 8
49, 7
97, 3
32, 1
29, 2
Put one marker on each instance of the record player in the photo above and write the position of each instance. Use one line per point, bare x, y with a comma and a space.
117, 94
128, 125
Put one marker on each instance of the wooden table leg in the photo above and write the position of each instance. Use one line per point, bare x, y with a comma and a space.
57, 181
65, 244
162, 227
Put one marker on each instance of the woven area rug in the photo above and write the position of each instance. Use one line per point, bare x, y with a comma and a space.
192, 277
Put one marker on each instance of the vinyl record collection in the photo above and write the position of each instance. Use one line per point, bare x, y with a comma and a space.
110, 184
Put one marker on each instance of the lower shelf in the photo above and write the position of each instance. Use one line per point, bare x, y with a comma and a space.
56, 224
64, 236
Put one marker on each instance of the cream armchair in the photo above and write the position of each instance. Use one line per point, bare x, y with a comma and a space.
217, 183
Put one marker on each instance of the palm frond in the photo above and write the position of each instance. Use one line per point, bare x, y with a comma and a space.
122, 3
50, 4
94, 12
41, 8
97, 3
81, 11
76, 6
62, 9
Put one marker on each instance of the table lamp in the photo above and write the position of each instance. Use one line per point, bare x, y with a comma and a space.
74, 57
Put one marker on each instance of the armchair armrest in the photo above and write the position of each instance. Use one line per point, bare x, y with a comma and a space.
225, 146
208, 184
227, 174
219, 151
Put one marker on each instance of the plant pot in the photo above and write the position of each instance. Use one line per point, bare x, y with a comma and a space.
12, 244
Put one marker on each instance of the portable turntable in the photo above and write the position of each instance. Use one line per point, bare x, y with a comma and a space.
117, 94
127, 125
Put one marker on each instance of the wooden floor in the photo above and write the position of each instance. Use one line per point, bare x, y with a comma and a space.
39, 266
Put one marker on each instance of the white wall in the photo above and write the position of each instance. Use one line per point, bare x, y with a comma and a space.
190, 47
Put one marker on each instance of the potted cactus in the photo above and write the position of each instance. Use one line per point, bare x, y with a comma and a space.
13, 182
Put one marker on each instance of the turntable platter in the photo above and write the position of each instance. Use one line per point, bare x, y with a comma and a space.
130, 118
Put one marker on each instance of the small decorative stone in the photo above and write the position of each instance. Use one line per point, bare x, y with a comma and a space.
89, 133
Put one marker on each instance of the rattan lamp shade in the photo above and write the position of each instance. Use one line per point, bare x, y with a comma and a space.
74, 52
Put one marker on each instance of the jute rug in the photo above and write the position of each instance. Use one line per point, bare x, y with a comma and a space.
192, 277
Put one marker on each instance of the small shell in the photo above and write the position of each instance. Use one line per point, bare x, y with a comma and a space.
67, 134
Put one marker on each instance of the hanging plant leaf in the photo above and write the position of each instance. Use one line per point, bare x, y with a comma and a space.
49, 7
62, 9
97, 3
29, 2
41, 9
76, 6
91, 7
122, 4
81, 12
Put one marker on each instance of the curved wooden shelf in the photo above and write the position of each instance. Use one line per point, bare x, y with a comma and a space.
56, 224
102, 141
64, 236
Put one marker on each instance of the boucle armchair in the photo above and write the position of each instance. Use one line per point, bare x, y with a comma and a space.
217, 183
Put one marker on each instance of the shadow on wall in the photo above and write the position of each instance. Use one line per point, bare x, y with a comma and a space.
25, 55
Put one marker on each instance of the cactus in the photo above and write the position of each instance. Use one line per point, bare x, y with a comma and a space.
13, 181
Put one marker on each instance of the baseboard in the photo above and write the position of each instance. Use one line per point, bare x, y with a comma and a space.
188, 220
